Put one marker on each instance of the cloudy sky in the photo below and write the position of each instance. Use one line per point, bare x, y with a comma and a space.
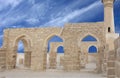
44, 13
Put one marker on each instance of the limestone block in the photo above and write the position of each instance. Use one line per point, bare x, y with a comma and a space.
111, 64
21, 61
111, 72
62, 60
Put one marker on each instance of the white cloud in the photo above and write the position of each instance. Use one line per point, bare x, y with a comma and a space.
32, 20
70, 16
13, 3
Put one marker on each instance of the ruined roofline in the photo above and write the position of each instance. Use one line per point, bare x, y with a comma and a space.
33, 28
97, 24
87, 23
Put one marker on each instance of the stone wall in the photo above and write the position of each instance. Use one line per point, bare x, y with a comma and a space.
2, 59
84, 47
73, 34
53, 54
35, 41
117, 53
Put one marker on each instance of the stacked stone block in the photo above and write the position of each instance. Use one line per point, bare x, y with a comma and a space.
117, 51
111, 73
53, 60
2, 59
62, 60
27, 61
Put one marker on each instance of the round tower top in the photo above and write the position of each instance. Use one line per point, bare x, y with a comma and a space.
108, 2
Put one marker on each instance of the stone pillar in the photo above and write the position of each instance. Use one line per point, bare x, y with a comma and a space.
104, 68
100, 59
82, 59
21, 61
118, 63
111, 65
108, 15
27, 59
45, 58
71, 56
62, 60
2, 59
53, 60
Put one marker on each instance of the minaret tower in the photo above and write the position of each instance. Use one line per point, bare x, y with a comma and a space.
109, 15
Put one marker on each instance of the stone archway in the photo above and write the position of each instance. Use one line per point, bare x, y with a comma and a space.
87, 57
54, 56
27, 52
46, 54
92, 57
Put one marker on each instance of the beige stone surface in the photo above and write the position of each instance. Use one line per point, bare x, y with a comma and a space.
76, 56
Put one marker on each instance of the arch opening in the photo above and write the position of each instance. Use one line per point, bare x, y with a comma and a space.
22, 53
92, 58
60, 49
53, 39
49, 56
92, 49
89, 38
60, 53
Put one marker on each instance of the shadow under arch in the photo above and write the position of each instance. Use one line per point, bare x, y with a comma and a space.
27, 50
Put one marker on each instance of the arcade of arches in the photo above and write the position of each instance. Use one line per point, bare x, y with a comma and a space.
105, 53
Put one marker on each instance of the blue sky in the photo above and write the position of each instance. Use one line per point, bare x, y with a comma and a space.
51, 13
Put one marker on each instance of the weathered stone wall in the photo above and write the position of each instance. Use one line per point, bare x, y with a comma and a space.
84, 47
35, 41
53, 54
117, 54
2, 59
73, 34
111, 73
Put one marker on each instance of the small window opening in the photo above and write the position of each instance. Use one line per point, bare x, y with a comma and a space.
109, 30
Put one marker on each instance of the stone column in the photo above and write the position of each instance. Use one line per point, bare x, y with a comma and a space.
45, 58
104, 68
71, 56
118, 63
53, 60
100, 59
27, 59
111, 65
2, 59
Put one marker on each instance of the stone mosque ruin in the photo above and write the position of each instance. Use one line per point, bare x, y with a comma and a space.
76, 56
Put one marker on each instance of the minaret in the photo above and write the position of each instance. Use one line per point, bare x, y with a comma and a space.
109, 15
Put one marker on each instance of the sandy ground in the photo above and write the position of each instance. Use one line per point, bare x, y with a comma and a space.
47, 74
51, 73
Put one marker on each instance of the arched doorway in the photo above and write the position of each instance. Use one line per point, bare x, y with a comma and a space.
51, 39
92, 58
60, 54
88, 53
22, 53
